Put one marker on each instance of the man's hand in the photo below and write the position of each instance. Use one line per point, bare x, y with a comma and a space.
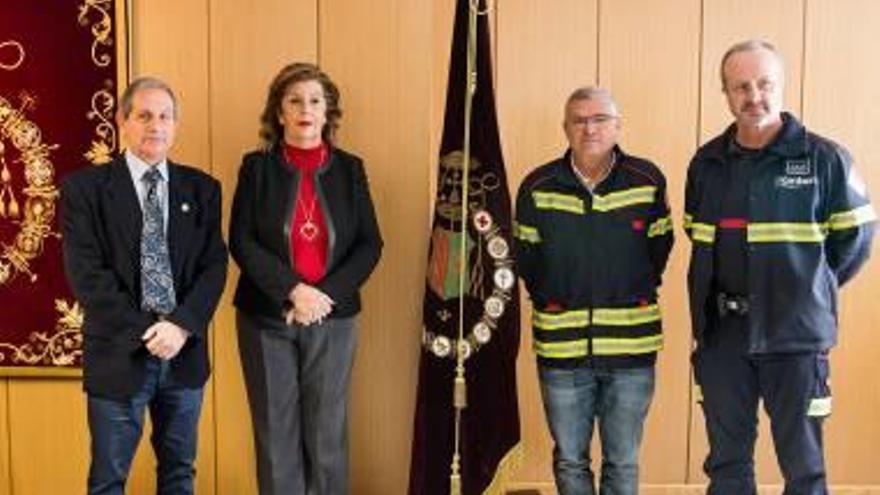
164, 339
310, 305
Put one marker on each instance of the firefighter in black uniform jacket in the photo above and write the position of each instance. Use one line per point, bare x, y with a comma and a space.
593, 237
778, 220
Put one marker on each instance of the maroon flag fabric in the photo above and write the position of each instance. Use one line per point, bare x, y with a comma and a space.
59, 75
490, 429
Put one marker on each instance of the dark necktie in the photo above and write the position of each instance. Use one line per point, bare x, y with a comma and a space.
157, 283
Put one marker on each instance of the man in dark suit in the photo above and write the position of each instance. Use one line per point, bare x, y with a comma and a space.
144, 254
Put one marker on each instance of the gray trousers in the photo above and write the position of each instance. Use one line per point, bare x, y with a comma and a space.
298, 380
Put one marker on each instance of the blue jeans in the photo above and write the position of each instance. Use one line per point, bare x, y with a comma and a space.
116, 428
618, 399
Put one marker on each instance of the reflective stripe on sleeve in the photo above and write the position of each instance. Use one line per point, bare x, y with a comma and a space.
852, 218
526, 233
660, 227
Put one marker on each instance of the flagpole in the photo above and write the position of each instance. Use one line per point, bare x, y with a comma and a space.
460, 385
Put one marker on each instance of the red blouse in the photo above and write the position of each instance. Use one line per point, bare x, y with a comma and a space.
308, 232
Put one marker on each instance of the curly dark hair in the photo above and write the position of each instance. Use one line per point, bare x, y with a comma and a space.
271, 130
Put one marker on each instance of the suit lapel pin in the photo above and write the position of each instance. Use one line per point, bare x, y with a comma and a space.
184, 207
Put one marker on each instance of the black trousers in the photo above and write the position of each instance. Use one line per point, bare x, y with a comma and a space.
796, 397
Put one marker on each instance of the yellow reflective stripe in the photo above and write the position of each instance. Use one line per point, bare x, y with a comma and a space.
688, 220
626, 316
852, 218
562, 350
603, 346
702, 232
556, 321
556, 201
786, 232
660, 227
627, 197
526, 233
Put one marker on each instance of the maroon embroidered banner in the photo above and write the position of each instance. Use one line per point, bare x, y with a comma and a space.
488, 427
62, 65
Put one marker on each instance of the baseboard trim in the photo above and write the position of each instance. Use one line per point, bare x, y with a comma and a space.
549, 489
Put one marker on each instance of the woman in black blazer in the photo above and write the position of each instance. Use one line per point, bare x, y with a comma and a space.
304, 234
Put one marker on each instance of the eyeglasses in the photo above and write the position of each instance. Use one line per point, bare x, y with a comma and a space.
762, 86
598, 119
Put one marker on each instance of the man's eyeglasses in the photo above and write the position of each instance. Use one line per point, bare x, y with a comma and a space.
598, 119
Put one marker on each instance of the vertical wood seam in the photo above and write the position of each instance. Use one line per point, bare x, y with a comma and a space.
803, 74
209, 117
597, 75
701, 43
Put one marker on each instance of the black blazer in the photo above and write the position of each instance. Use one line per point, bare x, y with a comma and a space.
101, 228
260, 224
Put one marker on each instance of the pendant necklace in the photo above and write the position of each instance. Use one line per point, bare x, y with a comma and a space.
309, 229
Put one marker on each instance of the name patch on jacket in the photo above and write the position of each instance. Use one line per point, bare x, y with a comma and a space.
798, 174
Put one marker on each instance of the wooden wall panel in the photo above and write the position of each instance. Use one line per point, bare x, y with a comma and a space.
5, 475
543, 54
729, 21
48, 435
726, 22
660, 112
249, 42
841, 88
170, 40
384, 70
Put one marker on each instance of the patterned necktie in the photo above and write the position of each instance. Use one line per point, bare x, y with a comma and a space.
157, 283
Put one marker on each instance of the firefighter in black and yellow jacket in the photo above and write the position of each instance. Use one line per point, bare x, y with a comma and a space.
593, 236
778, 220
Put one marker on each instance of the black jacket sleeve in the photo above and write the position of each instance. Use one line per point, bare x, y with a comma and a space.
261, 265
356, 264
112, 311
660, 232
527, 233
851, 219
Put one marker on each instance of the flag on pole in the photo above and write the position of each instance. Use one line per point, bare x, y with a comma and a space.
482, 438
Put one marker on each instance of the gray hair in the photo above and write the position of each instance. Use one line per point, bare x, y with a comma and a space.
748, 46
593, 93
141, 83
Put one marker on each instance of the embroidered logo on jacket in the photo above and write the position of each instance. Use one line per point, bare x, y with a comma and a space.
798, 174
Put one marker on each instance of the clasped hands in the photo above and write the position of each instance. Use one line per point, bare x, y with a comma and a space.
164, 339
309, 305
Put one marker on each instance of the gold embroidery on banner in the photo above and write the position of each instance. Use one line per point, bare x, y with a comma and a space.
16, 60
104, 145
101, 29
61, 348
39, 192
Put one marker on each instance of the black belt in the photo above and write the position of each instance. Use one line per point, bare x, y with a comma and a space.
731, 304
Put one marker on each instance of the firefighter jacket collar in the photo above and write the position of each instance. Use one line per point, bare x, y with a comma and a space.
791, 141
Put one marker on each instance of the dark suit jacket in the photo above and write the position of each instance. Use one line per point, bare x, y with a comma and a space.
101, 228
260, 224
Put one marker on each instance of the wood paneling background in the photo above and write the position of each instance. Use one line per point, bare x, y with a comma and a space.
659, 57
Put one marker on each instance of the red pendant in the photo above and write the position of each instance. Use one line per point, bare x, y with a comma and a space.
309, 231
